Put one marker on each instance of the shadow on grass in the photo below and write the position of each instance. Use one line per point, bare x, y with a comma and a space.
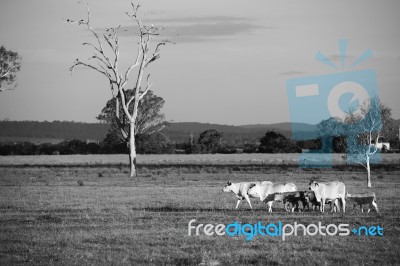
210, 209
180, 209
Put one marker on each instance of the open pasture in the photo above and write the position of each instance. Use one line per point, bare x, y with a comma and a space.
180, 159
47, 218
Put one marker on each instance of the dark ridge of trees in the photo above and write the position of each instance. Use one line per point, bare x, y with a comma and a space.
237, 136
153, 144
274, 142
56, 129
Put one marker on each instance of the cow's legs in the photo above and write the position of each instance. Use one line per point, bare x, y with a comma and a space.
343, 204
322, 205
354, 208
335, 207
248, 200
297, 206
375, 205
304, 205
269, 204
238, 202
287, 206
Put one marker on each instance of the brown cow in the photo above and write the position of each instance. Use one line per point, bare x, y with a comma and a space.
363, 198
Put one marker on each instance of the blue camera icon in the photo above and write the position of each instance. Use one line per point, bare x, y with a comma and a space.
316, 98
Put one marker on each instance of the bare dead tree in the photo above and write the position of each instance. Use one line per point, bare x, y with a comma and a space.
364, 131
105, 60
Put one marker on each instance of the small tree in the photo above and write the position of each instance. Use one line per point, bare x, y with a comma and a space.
363, 131
10, 64
274, 142
333, 129
106, 59
210, 141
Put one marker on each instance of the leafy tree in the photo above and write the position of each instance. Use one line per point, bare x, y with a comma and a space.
250, 148
112, 144
155, 143
210, 141
189, 147
311, 144
333, 129
274, 142
150, 118
150, 121
10, 64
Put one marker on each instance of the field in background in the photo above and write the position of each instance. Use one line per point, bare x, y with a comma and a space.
176, 159
47, 218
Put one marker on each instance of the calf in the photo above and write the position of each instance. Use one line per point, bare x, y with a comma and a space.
293, 198
363, 198
314, 204
242, 190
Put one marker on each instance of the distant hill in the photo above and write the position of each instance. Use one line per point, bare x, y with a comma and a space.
33, 131
287, 126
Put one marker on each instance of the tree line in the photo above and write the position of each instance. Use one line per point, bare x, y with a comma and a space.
209, 142
151, 140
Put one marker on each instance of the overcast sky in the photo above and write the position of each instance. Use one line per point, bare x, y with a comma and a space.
229, 65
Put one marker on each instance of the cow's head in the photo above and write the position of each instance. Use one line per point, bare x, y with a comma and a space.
314, 186
348, 194
227, 187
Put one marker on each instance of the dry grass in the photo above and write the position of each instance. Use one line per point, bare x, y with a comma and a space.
47, 218
176, 159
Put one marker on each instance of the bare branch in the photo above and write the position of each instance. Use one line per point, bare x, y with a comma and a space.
147, 88
8, 72
78, 63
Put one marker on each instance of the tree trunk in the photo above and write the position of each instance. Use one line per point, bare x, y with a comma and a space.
132, 151
368, 173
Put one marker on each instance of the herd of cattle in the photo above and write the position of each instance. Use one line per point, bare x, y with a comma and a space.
317, 196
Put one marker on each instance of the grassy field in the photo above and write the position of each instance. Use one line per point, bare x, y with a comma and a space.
47, 218
166, 159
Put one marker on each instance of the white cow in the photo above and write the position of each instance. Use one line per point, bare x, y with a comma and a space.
330, 191
266, 191
241, 190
